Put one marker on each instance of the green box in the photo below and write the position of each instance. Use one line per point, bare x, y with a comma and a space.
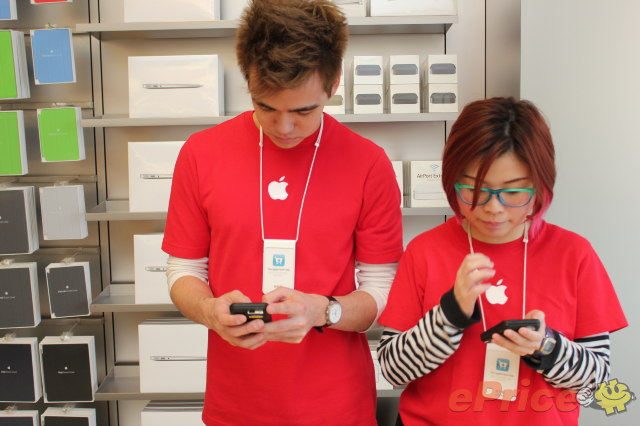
61, 137
8, 83
13, 156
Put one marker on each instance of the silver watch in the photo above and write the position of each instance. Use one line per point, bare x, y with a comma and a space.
334, 311
547, 345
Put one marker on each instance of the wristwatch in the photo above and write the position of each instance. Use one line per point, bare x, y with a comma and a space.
333, 313
547, 345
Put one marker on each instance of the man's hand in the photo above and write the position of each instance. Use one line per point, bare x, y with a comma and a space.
304, 311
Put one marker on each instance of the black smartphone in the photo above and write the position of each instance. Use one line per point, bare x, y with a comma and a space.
499, 328
251, 310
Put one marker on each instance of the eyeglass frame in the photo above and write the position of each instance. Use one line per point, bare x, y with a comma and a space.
495, 192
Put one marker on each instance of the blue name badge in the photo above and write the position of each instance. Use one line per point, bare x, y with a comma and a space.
53, 56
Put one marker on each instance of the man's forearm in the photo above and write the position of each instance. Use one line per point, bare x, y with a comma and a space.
359, 310
187, 293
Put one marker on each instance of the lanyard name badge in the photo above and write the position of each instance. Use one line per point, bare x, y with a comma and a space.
501, 366
279, 256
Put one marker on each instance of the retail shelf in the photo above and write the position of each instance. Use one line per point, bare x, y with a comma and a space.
227, 28
123, 383
119, 210
427, 211
125, 121
121, 298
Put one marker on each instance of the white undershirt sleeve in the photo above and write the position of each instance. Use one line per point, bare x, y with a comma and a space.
376, 280
178, 268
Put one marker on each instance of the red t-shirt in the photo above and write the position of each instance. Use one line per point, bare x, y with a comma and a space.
350, 212
565, 280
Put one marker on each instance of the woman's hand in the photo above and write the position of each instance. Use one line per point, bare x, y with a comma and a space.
524, 341
474, 270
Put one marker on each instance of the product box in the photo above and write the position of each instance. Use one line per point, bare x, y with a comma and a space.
69, 289
367, 70
404, 98
353, 8
413, 7
61, 136
50, 1
18, 226
176, 86
69, 368
171, 413
8, 10
368, 99
150, 269
14, 83
171, 10
19, 371
13, 147
441, 69
404, 69
173, 355
442, 98
151, 167
337, 104
64, 214
399, 171
53, 58
232, 9
426, 184
19, 296
62, 416
19, 418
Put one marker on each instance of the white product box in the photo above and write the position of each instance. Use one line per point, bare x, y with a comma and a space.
232, 9
176, 86
171, 413
368, 99
368, 70
353, 8
442, 98
64, 214
69, 416
151, 167
404, 69
150, 269
171, 10
398, 169
173, 355
19, 371
337, 103
441, 69
404, 98
413, 7
20, 417
426, 184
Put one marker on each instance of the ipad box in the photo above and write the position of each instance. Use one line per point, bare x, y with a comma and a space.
176, 86
404, 98
150, 269
173, 355
426, 184
368, 99
18, 226
171, 10
8, 10
13, 160
60, 416
151, 167
19, 296
63, 211
367, 70
442, 97
441, 69
14, 83
61, 137
69, 368
171, 413
19, 418
69, 289
413, 7
398, 169
52, 51
353, 8
19, 371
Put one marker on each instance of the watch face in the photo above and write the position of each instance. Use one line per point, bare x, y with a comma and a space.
335, 312
547, 345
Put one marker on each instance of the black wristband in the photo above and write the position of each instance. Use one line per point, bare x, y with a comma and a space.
451, 310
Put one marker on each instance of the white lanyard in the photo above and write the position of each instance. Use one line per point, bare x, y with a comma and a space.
304, 194
525, 240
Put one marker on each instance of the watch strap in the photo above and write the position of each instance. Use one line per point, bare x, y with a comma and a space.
320, 328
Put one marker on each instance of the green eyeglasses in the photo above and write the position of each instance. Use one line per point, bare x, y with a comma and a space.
510, 197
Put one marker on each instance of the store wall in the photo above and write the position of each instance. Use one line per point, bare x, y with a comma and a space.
580, 65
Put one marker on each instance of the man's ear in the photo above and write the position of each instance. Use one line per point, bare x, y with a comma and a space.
334, 89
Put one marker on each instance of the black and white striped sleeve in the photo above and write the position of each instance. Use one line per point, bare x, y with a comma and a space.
575, 364
406, 356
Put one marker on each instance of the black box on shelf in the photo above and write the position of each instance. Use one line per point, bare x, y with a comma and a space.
69, 368
19, 298
59, 416
69, 288
19, 418
18, 225
19, 370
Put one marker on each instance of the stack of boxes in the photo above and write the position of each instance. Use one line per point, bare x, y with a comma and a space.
404, 84
441, 78
336, 105
368, 85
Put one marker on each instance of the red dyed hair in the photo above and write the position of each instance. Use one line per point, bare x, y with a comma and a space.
490, 128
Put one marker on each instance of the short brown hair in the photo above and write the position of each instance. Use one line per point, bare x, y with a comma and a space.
490, 128
286, 41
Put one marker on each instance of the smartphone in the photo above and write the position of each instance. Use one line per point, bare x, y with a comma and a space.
533, 324
251, 310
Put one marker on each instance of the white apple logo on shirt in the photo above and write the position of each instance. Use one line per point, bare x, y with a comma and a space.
278, 189
496, 294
